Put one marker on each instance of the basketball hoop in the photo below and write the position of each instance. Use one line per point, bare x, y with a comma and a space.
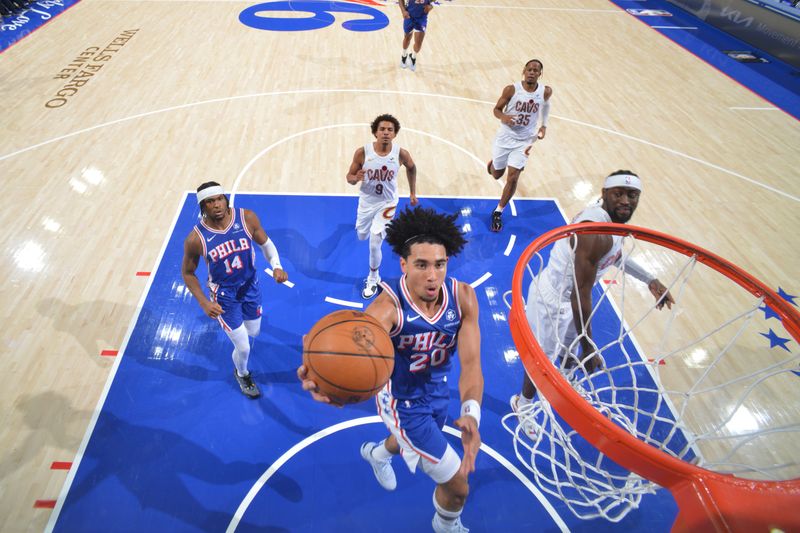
706, 464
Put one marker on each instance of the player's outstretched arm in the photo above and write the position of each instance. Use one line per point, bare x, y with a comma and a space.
588, 251
657, 289
470, 383
384, 311
661, 294
266, 244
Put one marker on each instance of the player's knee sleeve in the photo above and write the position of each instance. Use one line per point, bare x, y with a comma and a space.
240, 339
445, 469
375, 254
253, 327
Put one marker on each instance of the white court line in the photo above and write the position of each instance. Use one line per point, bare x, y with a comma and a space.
346, 303
755, 108
401, 93
686, 156
117, 361
674, 27
311, 439
480, 280
287, 282
260, 154
511, 242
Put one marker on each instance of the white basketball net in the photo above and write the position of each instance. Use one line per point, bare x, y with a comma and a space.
700, 384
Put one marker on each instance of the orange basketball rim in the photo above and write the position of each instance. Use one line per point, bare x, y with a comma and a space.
707, 500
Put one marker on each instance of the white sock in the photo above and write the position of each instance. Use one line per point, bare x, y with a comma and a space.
414, 55
380, 452
373, 276
375, 253
405, 52
498, 208
241, 349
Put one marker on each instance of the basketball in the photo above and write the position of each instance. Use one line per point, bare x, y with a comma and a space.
349, 356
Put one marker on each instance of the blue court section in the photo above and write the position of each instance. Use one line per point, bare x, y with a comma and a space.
774, 80
177, 447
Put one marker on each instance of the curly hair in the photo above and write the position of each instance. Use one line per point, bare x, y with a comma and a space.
385, 118
412, 226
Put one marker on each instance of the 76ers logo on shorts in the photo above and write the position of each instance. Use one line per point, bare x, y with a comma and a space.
266, 16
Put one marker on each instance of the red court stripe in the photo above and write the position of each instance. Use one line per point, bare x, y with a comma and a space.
44, 504
143, 273
660, 361
60, 465
111, 353
610, 281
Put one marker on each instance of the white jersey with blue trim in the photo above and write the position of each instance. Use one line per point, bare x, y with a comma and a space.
424, 347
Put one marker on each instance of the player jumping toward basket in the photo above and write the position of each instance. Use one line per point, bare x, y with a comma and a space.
429, 317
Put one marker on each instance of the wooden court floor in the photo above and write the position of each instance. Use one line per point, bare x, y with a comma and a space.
188, 94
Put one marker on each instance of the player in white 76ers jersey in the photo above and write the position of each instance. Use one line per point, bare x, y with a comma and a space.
558, 314
376, 166
518, 109
430, 319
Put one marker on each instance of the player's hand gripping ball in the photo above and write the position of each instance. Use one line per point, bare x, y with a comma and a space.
349, 356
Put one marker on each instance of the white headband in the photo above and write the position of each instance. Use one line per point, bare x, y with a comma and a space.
216, 190
623, 180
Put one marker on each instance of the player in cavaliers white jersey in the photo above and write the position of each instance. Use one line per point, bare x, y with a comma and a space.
558, 315
377, 167
226, 238
430, 318
518, 109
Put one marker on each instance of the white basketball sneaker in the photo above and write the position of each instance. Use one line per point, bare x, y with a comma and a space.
441, 526
524, 416
384, 472
370, 287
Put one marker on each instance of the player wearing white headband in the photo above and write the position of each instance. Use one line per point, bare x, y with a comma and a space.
225, 238
556, 313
